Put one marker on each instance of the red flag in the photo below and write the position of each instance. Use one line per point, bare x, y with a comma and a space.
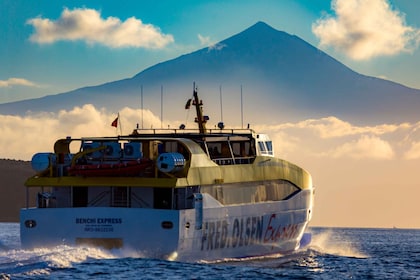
115, 122
188, 104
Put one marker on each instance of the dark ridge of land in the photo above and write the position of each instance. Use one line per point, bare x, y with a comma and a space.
13, 174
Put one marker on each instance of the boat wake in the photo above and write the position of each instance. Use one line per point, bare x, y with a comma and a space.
43, 261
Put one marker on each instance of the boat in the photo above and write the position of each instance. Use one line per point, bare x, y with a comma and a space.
175, 194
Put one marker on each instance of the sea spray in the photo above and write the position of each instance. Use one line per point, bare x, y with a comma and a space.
331, 242
41, 260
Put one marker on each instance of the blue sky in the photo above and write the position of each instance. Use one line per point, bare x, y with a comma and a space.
80, 46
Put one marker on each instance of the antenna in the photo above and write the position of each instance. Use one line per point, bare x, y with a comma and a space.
161, 106
221, 125
119, 121
221, 103
142, 117
242, 110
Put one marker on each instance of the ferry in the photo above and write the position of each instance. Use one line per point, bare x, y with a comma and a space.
175, 194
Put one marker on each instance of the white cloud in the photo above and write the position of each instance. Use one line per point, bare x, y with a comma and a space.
24, 136
365, 147
332, 127
17, 82
217, 47
413, 152
331, 137
365, 29
204, 40
88, 25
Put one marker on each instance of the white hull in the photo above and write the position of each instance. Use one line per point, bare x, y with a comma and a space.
218, 232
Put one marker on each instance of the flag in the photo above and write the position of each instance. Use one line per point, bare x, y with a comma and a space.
115, 122
188, 105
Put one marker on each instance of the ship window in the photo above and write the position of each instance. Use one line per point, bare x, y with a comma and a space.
231, 152
252, 192
214, 149
262, 147
241, 149
269, 145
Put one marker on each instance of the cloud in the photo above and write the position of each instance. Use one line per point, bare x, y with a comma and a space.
216, 47
22, 136
204, 40
366, 29
331, 137
413, 152
332, 127
88, 25
17, 82
365, 147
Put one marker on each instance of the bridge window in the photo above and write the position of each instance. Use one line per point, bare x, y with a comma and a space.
269, 146
262, 147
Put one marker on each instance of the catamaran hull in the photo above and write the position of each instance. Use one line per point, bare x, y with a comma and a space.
212, 233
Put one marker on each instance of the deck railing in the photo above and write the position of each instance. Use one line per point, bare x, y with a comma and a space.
186, 131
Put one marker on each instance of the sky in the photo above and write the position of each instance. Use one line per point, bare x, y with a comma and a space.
51, 47
365, 176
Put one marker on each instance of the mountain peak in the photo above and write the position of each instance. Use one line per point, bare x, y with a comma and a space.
281, 73
260, 25
260, 30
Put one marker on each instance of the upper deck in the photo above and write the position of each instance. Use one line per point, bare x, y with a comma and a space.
224, 147
176, 158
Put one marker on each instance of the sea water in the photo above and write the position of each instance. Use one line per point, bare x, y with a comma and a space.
335, 253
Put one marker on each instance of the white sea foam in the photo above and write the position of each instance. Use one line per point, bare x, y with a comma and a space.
42, 260
65, 256
332, 243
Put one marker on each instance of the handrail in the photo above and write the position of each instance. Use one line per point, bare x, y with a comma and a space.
85, 152
139, 131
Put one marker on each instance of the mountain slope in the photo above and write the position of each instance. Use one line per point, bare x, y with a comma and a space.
280, 73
